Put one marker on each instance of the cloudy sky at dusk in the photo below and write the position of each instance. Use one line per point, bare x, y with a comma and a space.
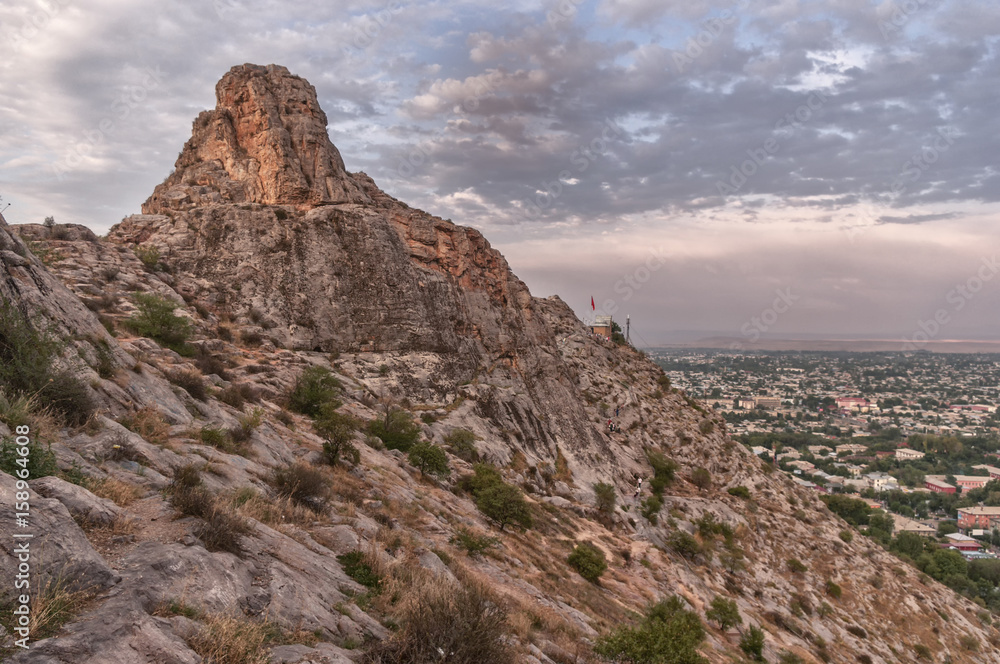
706, 166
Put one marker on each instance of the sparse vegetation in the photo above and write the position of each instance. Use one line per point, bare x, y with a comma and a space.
752, 643
473, 544
190, 381
149, 255
225, 639
315, 387
684, 544
701, 478
156, 319
357, 566
605, 497
462, 444
724, 612
337, 431
795, 566
504, 504
739, 492
668, 634
28, 369
429, 458
302, 483
396, 429
463, 620
588, 560
223, 530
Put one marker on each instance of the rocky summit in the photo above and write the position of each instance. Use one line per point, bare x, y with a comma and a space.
282, 417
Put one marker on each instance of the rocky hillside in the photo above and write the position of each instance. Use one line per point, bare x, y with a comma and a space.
242, 358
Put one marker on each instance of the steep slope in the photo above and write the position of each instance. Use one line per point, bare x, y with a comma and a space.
281, 260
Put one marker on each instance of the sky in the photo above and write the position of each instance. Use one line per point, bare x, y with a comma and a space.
736, 168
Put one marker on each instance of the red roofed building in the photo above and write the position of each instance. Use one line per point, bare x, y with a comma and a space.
938, 486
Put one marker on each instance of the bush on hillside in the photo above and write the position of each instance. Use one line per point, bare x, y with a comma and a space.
588, 560
27, 369
668, 634
156, 319
396, 429
315, 387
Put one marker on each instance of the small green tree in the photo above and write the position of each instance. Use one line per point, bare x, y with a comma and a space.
724, 612
396, 429
604, 497
588, 560
315, 387
463, 444
701, 478
504, 504
156, 319
752, 643
739, 492
684, 544
429, 458
337, 430
668, 634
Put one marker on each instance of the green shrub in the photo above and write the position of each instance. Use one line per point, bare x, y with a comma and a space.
795, 566
356, 566
664, 470
429, 458
752, 643
504, 504
922, 651
462, 444
684, 544
668, 634
706, 427
473, 544
650, 507
27, 357
337, 431
156, 319
149, 255
315, 386
484, 475
846, 535
605, 497
701, 478
396, 429
833, 590
40, 462
788, 657
739, 492
214, 436
724, 612
857, 631
588, 560
303, 484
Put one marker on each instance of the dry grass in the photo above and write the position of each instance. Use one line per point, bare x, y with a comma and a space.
231, 640
53, 606
117, 491
250, 503
148, 422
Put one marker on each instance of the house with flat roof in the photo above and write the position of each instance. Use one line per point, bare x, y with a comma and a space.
938, 486
978, 516
906, 454
901, 524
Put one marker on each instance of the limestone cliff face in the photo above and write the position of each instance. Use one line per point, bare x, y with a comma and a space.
261, 224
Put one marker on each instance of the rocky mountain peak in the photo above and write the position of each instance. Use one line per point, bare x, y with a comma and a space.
265, 142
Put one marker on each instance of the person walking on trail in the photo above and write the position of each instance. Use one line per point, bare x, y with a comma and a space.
638, 490
616, 411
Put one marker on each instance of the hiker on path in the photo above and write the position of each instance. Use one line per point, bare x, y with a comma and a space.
638, 490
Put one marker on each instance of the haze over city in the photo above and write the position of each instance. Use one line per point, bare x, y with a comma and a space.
697, 165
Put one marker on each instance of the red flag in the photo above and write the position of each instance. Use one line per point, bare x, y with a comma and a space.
592, 307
